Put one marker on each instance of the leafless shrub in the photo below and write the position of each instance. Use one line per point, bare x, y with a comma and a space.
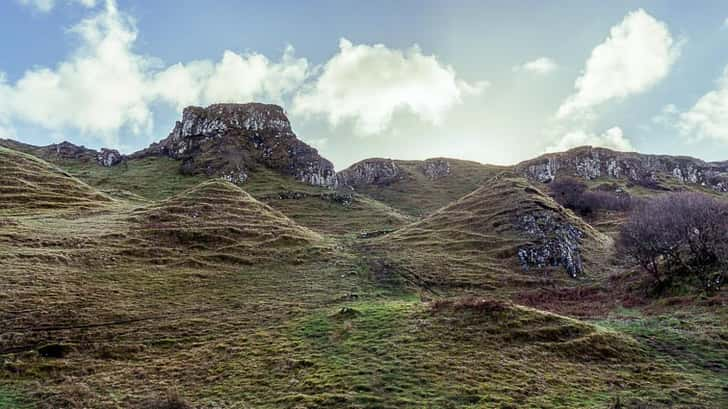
572, 193
679, 235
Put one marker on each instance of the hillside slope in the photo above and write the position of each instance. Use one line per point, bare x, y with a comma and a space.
506, 230
416, 188
28, 183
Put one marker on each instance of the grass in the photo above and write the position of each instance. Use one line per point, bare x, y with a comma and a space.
474, 241
209, 292
417, 195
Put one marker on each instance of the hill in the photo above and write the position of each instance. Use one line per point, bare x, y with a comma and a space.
153, 283
28, 183
506, 230
215, 220
655, 172
416, 188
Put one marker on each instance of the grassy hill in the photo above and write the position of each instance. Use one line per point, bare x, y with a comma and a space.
416, 193
28, 184
491, 237
198, 293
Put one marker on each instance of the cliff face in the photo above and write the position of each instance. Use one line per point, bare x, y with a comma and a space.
591, 163
370, 172
230, 140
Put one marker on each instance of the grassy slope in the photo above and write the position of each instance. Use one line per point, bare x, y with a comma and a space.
417, 195
473, 242
156, 178
304, 326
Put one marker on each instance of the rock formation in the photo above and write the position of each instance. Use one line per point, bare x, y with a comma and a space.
591, 163
230, 140
65, 151
374, 171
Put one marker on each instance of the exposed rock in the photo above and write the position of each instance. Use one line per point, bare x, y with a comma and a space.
109, 157
230, 140
591, 163
375, 171
64, 151
558, 243
435, 168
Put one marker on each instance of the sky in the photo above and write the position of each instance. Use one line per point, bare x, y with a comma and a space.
491, 81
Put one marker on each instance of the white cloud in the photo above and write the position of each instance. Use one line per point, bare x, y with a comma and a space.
104, 86
725, 24
708, 118
99, 88
638, 53
369, 83
47, 5
540, 66
612, 138
234, 78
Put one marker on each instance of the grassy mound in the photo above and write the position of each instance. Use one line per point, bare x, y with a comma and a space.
505, 231
417, 193
29, 184
216, 221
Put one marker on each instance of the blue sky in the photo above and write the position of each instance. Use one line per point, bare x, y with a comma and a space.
495, 82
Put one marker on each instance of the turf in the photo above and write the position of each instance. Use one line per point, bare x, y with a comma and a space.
250, 296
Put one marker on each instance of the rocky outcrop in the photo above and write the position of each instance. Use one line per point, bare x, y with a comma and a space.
435, 168
384, 172
65, 151
109, 157
380, 172
230, 140
557, 243
591, 163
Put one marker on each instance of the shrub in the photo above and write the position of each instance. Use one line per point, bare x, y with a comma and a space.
679, 236
573, 194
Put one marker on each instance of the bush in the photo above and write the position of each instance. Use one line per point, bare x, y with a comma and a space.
679, 236
573, 194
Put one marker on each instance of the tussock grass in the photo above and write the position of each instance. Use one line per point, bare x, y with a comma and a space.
474, 241
28, 184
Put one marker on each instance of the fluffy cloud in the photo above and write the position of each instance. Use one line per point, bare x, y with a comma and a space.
234, 78
369, 83
638, 53
539, 66
99, 88
708, 118
612, 138
104, 86
47, 5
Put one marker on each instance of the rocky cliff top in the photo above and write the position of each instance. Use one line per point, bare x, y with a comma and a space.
231, 140
591, 162
67, 151
382, 172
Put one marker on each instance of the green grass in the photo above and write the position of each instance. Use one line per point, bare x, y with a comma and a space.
417, 195
195, 286
152, 178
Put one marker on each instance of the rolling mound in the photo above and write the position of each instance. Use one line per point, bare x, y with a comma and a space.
506, 227
216, 221
29, 183
415, 187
